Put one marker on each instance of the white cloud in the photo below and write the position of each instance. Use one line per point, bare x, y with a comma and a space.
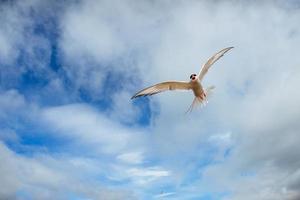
144, 176
88, 126
100, 146
11, 101
131, 157
256, 95
162, 195
25, 47
124, 150
102, 40
123, 110
87, 33
10, 32
45, 176
5, 49
152, 172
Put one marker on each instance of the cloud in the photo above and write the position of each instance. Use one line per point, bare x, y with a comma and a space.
242, 145
256, 93
131, 157
45, 176
162, 195
93, 154
125, 150
88, 126
110, 42
11, 101
10, 32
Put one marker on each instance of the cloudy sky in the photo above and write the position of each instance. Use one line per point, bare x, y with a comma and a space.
69, 130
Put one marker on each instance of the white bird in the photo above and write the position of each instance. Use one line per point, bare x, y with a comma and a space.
194, 83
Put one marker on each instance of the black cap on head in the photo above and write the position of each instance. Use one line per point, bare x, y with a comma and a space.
193, 75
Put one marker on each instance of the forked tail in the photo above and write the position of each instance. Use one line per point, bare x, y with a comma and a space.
202, 101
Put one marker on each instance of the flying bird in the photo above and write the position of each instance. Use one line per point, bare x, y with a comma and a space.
194, 84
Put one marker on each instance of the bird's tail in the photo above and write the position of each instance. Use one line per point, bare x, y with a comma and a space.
193, 105
202, 101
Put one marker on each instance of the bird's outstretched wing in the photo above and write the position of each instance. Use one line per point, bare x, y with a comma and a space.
211, 61
164, 86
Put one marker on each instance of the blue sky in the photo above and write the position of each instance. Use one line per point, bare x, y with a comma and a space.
69, 130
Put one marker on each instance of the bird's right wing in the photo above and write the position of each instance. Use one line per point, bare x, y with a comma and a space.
164, 86
211, 61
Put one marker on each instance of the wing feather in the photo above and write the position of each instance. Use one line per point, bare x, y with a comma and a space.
161, 87
211, 61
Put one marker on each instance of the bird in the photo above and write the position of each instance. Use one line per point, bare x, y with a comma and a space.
194, 84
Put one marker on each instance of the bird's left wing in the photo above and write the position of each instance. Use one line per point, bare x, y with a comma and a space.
211, 61
164, 86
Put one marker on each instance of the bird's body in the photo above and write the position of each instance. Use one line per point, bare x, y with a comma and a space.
194, 84
198, 89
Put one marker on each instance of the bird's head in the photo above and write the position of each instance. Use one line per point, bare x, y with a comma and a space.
193, 77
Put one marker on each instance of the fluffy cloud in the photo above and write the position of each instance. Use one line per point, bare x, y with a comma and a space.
46, 176
256, 95
242, 145
104, 137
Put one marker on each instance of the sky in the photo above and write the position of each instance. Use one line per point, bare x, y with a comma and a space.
69, 130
